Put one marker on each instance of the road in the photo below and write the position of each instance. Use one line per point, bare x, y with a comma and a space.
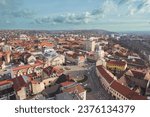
97, 92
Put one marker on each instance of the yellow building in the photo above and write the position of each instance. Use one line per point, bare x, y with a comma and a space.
118, 65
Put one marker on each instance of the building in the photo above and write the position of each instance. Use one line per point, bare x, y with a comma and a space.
6, 74
28, 69
140, 78
5, 57
50, 75
24, 37
22, 87
137, 77
90, 45
27, 58
37, 87
100, 53
50, 92
6, 85
106, 78
116, 65
74, 89
55, 60
66, 96
46, 44
75, 58
121, 92
6, 90
117, 90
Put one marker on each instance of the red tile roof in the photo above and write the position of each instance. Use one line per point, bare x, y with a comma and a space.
18, 83
4, 82
37, 63
116, 63
66, 83
48, 70
77, 88
104, 73
126, 92
46, 44
138, 74
58, 70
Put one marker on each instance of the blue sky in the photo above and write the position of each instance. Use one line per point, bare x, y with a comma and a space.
112, 15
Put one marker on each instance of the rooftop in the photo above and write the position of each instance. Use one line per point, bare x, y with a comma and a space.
66, 83
74, 88
5, 82
104, 73
37, 63
116, 63
125, 91
19, 82
138, 73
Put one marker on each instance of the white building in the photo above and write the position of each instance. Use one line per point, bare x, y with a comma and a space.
24, 37
49, 51
100, 53
56, 60
90, 45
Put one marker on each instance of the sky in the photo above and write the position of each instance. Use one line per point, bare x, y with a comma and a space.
111, 15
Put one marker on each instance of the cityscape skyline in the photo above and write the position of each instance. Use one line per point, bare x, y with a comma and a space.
112, 15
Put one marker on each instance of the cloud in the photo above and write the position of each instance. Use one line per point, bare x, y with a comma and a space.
144, 7
15, 13
12, 9
134, 6
25, 13
108, 8
71, 18
7, 5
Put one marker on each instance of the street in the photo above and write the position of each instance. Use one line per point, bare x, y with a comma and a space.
97, 91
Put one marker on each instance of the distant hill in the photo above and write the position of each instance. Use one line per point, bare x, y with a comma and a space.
94, 31
138, 33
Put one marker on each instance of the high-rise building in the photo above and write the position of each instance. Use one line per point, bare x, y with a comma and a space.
90, 45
